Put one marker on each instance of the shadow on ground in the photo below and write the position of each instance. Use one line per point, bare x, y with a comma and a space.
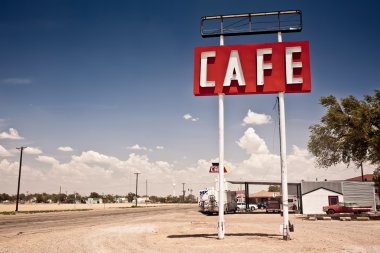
215, 235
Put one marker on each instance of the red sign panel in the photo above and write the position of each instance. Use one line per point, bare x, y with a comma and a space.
215, 168
252, 68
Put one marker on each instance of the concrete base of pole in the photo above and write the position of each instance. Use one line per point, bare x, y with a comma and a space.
221, 230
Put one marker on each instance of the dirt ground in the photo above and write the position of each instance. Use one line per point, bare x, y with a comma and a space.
184, 229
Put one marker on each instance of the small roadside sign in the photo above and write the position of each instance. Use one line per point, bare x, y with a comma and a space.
214, 168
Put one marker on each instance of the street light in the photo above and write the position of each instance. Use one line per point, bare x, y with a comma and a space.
19, 176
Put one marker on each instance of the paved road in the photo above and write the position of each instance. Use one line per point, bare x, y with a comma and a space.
32, 223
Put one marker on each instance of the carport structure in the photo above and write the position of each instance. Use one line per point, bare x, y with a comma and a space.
293, 189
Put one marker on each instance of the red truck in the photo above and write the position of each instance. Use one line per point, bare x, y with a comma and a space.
346, 207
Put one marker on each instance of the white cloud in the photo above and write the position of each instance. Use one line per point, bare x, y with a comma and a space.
94, 171
261, 165
253, 118
189, 117
14, 81
137, 147
93, 157
8, 168
4, 152
12, 135
32, 178
47, 159
252, 143
32, 151
160, 147
65, 149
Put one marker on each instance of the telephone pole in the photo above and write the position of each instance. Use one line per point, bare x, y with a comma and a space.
137, 182
19, 176
59, 196
183, 192
146, 188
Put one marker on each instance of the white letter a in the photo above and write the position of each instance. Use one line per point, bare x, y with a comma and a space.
234, 64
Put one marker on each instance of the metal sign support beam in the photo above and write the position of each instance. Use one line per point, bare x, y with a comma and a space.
243, 24
221, 161
284, 169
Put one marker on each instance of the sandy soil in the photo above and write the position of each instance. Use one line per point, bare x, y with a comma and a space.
186, 230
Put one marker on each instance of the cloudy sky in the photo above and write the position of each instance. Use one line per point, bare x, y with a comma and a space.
99, 90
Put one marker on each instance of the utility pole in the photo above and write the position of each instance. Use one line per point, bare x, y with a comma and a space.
146, 188
59, 196
174, 189
183, 192
19, 176
104, 200
191, 194
137, 182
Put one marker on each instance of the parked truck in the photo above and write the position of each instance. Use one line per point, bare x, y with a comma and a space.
209, 199
346, 207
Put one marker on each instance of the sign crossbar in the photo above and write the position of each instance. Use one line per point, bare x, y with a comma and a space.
251, 23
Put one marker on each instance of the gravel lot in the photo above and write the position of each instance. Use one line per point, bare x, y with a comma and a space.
179, 229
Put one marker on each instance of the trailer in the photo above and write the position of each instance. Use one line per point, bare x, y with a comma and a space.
274, 205
208, 201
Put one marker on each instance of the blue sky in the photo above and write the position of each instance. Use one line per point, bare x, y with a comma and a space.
112, 80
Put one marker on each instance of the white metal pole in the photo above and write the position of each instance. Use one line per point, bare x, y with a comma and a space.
221, 160
279, 37
284, 170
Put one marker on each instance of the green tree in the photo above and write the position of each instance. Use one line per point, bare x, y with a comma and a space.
22, 196
95, 195
5, 196
131, 196
349, 132
173, 199
39, 197
108, 198
190, 199
274, 188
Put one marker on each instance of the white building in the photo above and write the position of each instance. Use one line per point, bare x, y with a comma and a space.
94, 201
315, 195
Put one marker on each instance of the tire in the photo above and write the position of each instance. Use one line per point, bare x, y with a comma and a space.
253, 208
330, 211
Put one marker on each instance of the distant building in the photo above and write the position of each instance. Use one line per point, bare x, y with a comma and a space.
121, 200
142, 200
366, 178
94, 201
262, 197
